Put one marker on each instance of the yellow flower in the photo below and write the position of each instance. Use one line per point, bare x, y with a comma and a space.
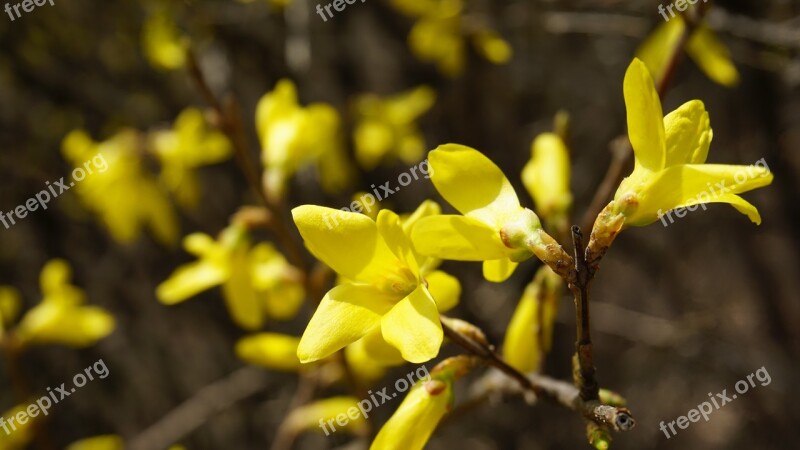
188, 146
439, 36
329, 416
106, 442
270, 350
120, 192
546, 176
62, 317
703, 46
415, 420
531, 328
293, 137
670, 153
382, 286
18, 435
388, 126
493, 221
163, 44
256, 282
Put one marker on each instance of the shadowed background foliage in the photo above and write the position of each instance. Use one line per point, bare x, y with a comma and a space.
679, 311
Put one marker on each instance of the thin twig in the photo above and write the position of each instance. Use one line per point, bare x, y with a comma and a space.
585, 376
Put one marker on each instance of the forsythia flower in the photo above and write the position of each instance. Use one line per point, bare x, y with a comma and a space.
188, 146
293, 137
530, 331
256, 282
382, 288
546, 176
387, 126
62, 317
703, 46
670, 153
493, 224
163, 44
325, 415
123, 194
270, 350
438, 35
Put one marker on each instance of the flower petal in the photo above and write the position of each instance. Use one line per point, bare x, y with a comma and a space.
661, 45
347, 242
645, 117
498, 270
473, 184
444, 288
244, 304
270, 350
688, 133
189, 280
713, 58
457, 237
396, 239
413, 327
346, 314
415, 420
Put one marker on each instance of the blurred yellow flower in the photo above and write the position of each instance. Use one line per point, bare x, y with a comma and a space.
388, 126
257, 282
61, 317
163, 43
17, 435
329, 416
415, 420
707, 51
124, 195
382, 286
530, 330
270, 350
185, 148
546, 176
438, 36
293, 137
106, 442
670, 153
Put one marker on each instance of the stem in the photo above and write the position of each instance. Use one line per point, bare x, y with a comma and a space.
585, 378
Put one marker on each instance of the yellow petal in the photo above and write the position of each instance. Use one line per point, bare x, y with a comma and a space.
415, 420
445, 289
473, 184
491, 46
398, 242
10, 305
55, 274
244, 303
270, 350
105, 442
348, 242
74, 326
23, 435
457, 237
378, 350
346, 313
645, 117
413, 327
328, 416
688, 134
521, 348
658, 49
199, 244
498, 270
741, 205
546, 175
712, 56
425, 209
189, 280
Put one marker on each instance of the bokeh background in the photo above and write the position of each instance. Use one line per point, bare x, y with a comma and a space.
678, 311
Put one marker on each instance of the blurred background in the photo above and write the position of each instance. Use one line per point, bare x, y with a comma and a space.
678, 311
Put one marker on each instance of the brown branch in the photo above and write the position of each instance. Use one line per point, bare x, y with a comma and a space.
585, 374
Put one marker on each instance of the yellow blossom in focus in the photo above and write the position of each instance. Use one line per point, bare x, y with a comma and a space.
62, 317
163, 43
494, 227
382, 287
270, 350
257, 282
185, 148
388, 126
703, 46
670, 153
120, 191
293, 137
